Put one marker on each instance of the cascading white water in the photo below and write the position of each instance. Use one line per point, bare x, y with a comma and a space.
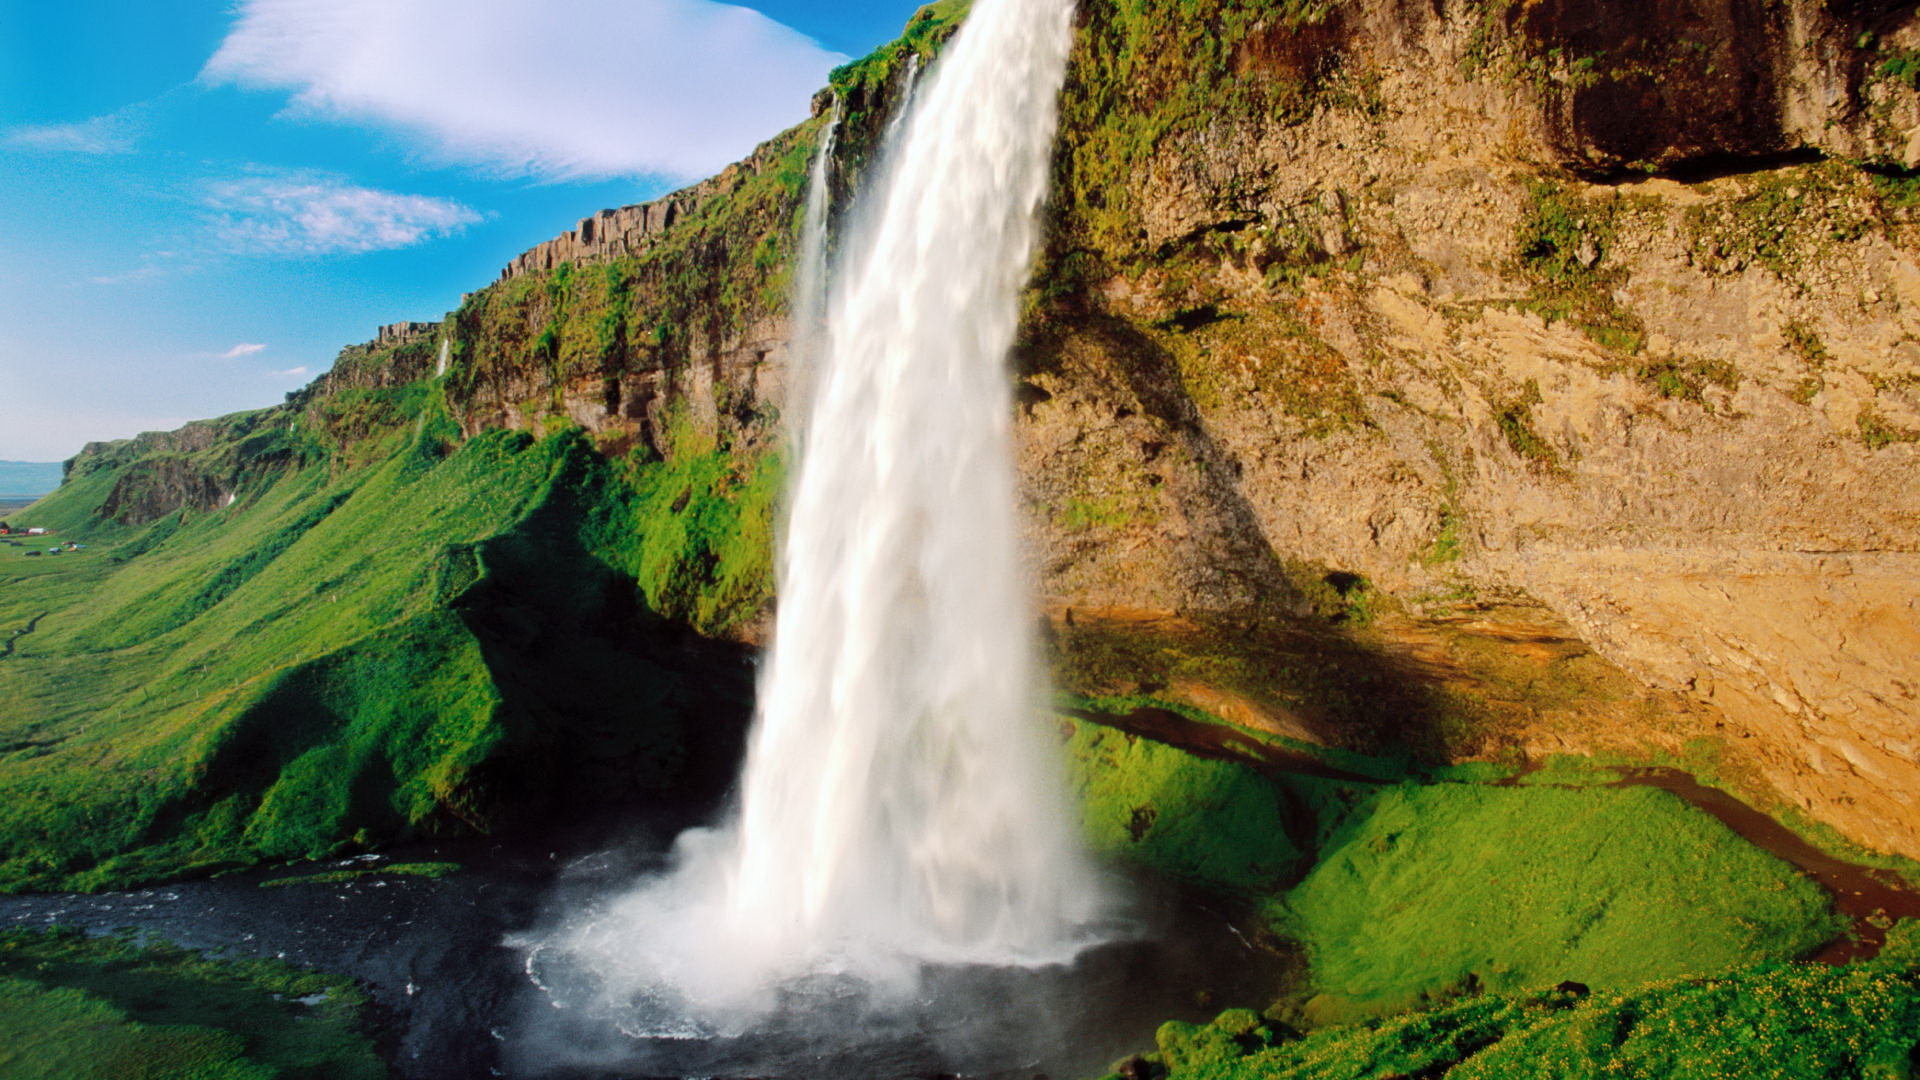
897, 800
905, 106
810, 277
899, 805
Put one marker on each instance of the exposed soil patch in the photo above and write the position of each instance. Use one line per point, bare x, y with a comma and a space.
1218, 742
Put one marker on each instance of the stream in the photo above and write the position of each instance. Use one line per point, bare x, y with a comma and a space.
6, 650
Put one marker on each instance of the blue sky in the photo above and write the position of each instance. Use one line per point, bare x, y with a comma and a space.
201, 201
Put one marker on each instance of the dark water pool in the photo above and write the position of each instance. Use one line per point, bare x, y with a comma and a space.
456, 1002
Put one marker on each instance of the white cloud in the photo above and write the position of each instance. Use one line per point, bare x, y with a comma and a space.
114, 133
313, 214
243, 349
559, 88
143, 273
293, 372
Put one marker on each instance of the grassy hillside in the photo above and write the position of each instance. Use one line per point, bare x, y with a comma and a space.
385, 632
1452, 924
1770, 1022
1401, 894
79, 1008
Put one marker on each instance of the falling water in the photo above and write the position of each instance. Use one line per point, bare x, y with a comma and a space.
896, 802
905, 106
810, 280
899, 806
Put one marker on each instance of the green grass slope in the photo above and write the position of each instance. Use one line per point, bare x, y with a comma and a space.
1769, 1022
1423, 891
79, 1008
1455, 926
1398, 896
383, 634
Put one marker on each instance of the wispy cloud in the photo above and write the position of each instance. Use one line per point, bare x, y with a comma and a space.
243, 349
537, 87
114, 133
314, 214
293, 372
142, 273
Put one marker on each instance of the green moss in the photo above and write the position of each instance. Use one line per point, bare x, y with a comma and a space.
1214, 823
1902, 67
1425, 891
1773, 1022
361, 873
1232, 1035
1515, 421
1879, 433
1687, 379
78, 1008
1116, 511
1338, 596
1783, 219
1446, 544
1805, 343
1562, 244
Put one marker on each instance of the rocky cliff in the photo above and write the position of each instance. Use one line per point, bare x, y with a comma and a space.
1492, 378
1538, 376
1606, 310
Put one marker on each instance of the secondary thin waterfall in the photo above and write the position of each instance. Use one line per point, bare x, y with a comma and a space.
900, 804
810, 278
898, 801
906, 99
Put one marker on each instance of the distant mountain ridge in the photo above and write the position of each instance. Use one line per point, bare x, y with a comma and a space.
29, 478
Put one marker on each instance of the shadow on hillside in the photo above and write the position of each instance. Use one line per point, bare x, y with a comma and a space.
607, 704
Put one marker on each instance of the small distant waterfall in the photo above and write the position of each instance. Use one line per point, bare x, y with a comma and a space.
901, 110
900, 804
446, 353
810, 276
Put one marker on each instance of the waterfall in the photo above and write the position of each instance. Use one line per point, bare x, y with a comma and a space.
810, 278
900, 805
906, 100
898, 800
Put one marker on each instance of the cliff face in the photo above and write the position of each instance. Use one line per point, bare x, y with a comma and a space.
1494, 378
1614, 311
1450, 335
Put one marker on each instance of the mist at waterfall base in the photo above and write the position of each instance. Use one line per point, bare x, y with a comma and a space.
901, 881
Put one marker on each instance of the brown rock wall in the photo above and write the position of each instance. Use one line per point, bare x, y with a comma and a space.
1410, 336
